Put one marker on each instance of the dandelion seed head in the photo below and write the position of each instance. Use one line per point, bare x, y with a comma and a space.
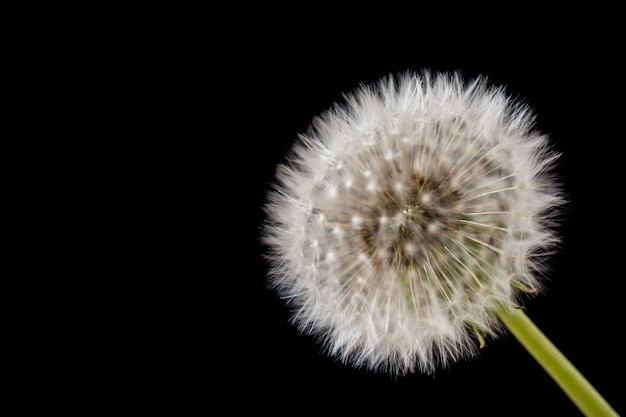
403, 215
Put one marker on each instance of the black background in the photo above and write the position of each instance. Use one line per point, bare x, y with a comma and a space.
182, 116
281, 74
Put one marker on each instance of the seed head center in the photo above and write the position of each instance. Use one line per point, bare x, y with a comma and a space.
402, 235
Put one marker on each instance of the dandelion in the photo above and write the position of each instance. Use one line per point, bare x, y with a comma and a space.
409, 220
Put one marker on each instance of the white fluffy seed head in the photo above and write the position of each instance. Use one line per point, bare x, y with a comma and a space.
406, 215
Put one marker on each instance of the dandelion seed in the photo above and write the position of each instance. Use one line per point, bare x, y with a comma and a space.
430, 202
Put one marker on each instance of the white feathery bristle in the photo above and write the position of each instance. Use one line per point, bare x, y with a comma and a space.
404, 215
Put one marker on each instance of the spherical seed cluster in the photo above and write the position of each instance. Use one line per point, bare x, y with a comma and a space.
406, 215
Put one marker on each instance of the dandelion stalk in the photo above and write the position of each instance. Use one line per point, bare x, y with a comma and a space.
571, 381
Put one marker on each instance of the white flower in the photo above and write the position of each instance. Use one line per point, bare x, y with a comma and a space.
407, 215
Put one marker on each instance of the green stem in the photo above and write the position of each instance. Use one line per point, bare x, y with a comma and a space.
571, 381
